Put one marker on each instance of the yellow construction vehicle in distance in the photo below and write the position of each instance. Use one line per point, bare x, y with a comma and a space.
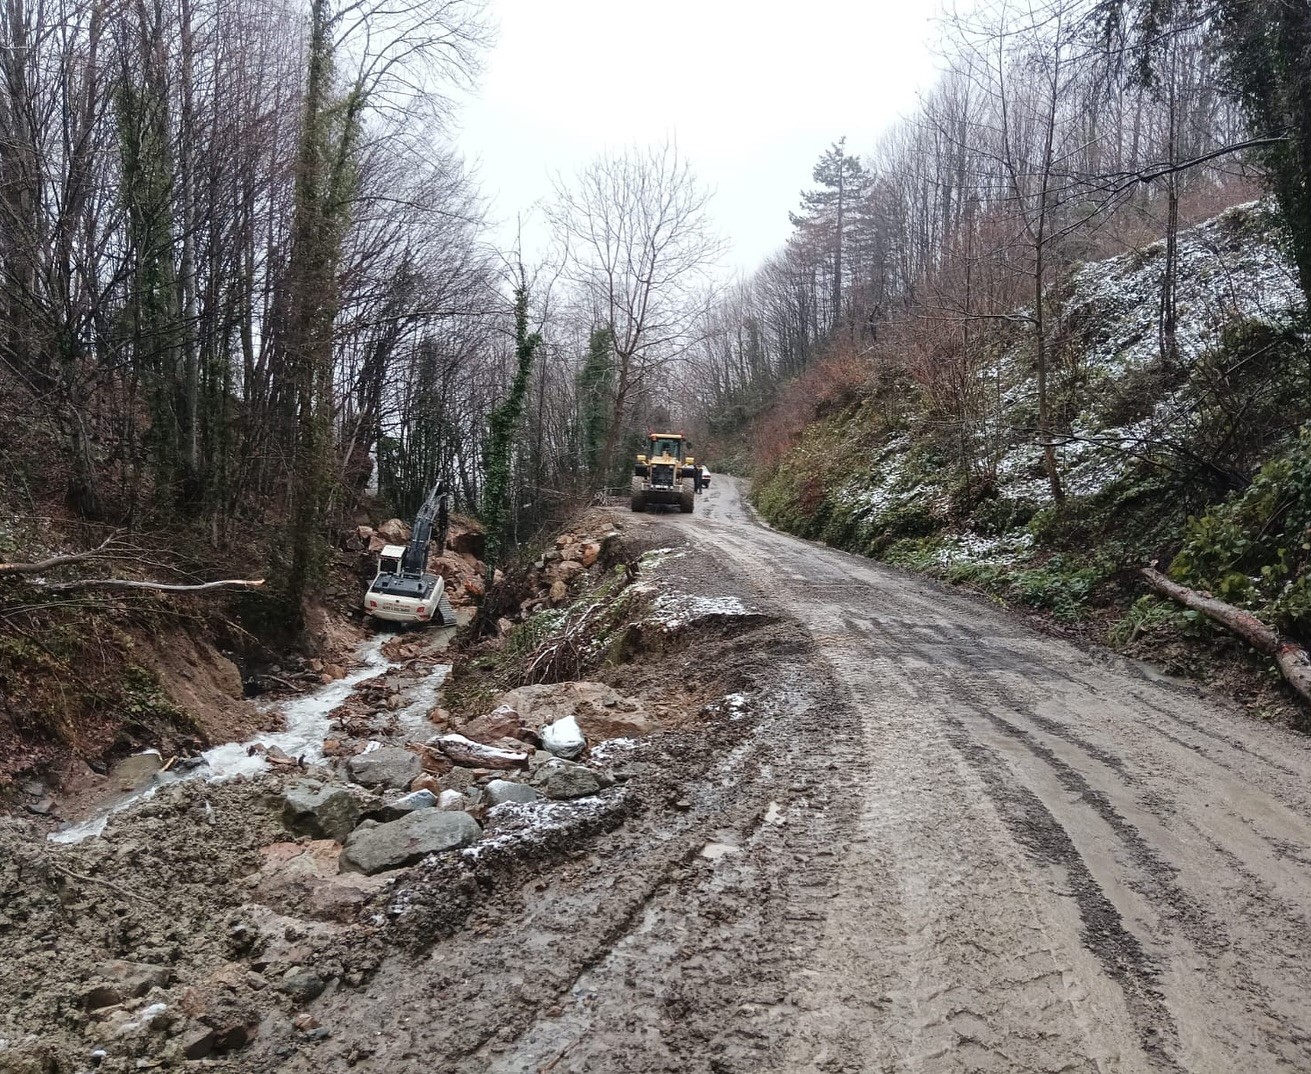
666, 474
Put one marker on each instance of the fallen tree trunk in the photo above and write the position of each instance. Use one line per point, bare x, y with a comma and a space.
59, 561
162, 587
1292, 659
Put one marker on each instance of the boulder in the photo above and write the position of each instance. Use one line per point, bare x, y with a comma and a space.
501, 722
321, 812
601, 711
390, 766
303, 879
570, 782
403, 842
559, 592
197, 1041
454, 569
471, 543
452, 800
564, 738
302, 984
589, 553
568, 570
503, 790
407, 803
394, 531
426, 782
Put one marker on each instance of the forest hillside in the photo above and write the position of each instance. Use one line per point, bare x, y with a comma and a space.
1197, 460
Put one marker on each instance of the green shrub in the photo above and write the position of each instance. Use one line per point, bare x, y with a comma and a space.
1254, 550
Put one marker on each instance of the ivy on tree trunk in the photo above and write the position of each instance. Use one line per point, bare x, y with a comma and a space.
500, 440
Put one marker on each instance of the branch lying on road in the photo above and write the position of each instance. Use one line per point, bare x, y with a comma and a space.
1292, 659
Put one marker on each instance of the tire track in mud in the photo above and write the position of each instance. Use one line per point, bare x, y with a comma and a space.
1194, 913
1104, 933
940, 845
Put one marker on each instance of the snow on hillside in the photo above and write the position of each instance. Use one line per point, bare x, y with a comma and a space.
1230, 269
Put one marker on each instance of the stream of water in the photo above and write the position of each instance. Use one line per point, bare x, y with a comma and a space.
305, 727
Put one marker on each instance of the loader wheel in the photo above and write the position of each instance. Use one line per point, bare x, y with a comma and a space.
687, 502
638, 502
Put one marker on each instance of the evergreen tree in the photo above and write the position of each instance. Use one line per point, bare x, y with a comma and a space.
826, 211
595, 388
502, 423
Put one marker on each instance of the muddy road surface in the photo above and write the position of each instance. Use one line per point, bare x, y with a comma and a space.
1050, 860
880, 826
939, 842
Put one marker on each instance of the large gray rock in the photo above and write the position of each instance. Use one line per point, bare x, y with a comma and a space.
572, 782
503, 790
320, 812
390, 766
407, 803
564, 738
403, 842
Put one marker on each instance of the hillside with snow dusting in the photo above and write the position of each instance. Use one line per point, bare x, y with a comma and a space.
1147, 439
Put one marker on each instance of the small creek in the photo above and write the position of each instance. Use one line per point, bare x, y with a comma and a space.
306, 722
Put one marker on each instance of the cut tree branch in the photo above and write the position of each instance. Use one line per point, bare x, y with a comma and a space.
58, 561
1293, 661
163, 587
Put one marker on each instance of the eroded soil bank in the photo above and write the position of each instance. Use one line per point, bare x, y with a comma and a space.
201, 923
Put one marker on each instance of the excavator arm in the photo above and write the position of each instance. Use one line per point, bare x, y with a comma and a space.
433, 514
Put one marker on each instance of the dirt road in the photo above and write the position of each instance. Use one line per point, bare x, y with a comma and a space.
1058, 863
931, 841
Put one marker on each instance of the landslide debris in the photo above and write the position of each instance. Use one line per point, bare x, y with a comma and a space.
211, 917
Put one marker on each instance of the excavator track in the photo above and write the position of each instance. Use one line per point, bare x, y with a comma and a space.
445, 613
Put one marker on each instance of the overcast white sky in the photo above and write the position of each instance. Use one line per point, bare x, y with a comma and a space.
753, 92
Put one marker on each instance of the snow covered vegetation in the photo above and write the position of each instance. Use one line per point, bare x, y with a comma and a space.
1154, 438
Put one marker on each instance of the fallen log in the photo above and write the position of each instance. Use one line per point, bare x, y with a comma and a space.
44, 565
470, 754
162, 587
1293, 662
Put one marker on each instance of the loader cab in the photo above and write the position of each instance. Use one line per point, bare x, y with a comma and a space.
669, 446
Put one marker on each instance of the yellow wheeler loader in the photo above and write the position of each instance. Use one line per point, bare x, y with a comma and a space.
666, 474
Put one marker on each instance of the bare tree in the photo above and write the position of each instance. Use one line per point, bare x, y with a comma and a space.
642, 252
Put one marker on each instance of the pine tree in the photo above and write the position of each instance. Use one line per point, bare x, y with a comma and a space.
843, 182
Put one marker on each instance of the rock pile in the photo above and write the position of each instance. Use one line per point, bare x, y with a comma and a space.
557, 570
391, 806
459, 563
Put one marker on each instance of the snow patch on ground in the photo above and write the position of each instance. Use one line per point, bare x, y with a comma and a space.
672, 611
612, 749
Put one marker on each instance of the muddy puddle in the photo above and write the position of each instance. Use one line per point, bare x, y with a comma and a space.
306, 725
